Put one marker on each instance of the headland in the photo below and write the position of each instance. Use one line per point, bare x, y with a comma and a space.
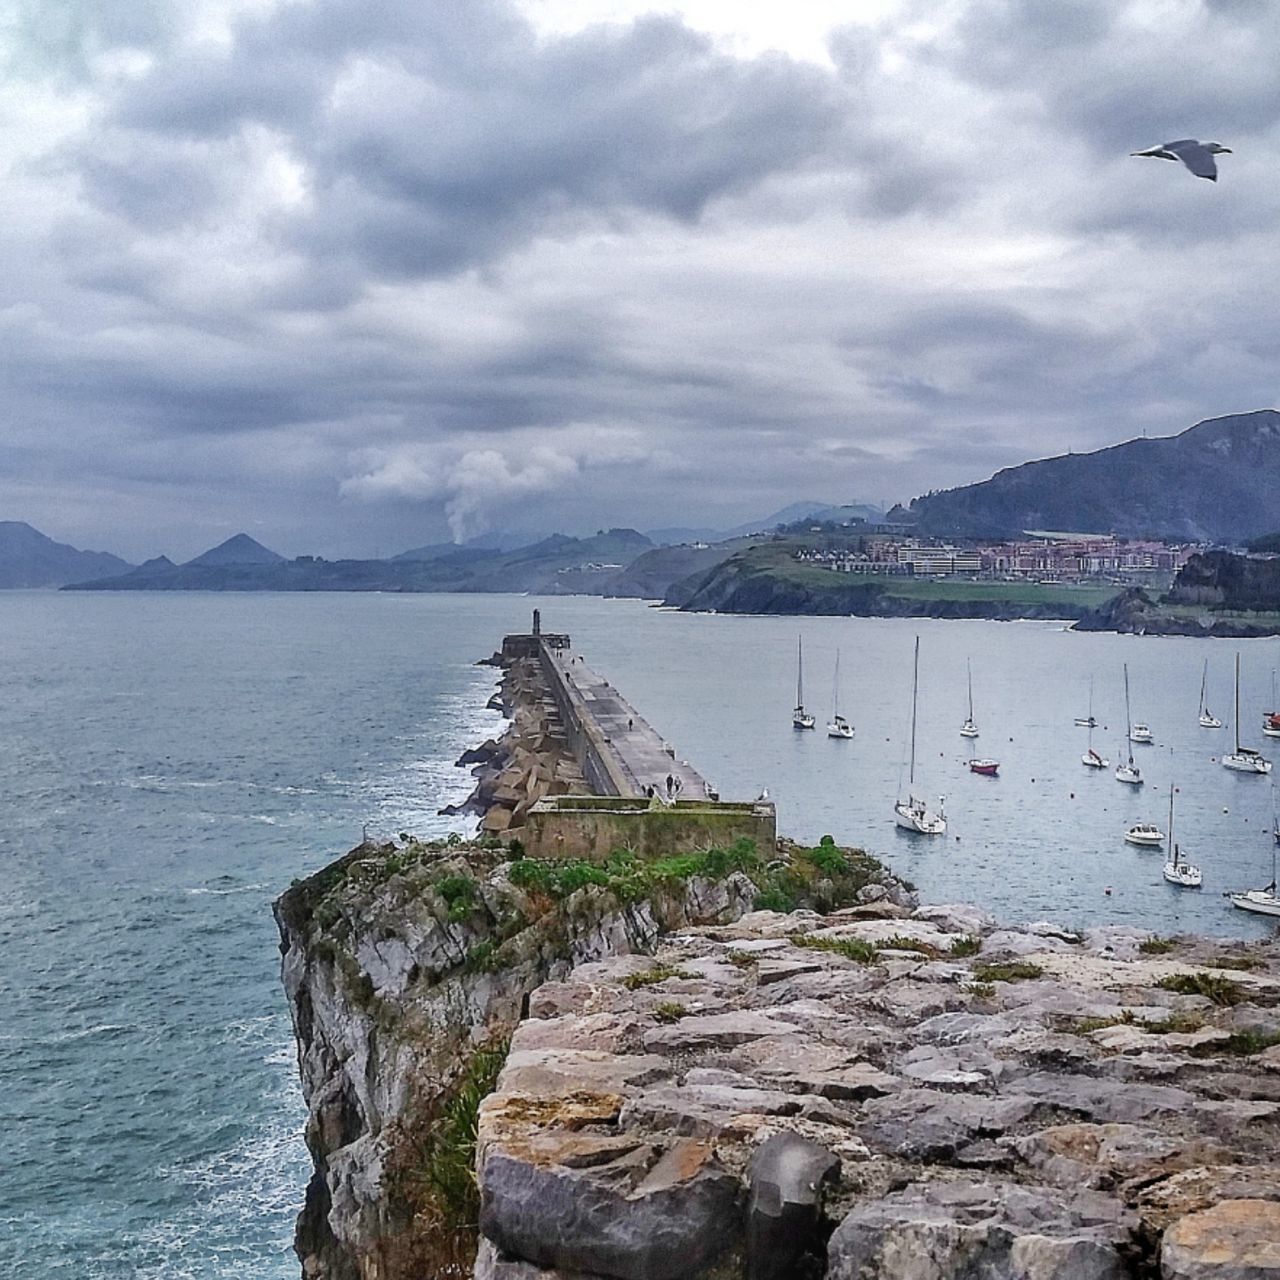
666, 1043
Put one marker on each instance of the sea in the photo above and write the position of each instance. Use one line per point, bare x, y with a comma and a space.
169, 763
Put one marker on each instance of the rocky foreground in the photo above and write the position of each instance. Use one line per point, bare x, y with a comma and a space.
887, 1093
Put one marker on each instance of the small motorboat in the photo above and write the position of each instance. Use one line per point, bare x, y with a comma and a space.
1086, 722
987, 768
1146, 834
1141, 733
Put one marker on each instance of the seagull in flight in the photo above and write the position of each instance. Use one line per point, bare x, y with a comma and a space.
1197, 156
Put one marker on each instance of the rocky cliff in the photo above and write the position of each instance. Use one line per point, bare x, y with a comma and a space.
891, 1094
406, 967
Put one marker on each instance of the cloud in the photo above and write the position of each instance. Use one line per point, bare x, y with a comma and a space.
379, 274
475, 481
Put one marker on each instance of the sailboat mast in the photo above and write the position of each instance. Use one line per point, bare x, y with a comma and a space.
1128, 717
835, 693
799, 671
1204, 680
1237, 724
968, 666
915, 685
1172, 844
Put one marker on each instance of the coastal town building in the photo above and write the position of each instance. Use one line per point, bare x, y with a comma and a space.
1040, 555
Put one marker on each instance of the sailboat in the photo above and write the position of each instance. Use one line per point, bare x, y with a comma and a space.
1271, 719
1183, 874
1244, 759
838, 726
1091, 759
1129, 772
969, 729
800, 718
1088, 722
1207, 719
912, 814
1264, 901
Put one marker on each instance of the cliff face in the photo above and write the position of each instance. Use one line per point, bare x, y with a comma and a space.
399, 962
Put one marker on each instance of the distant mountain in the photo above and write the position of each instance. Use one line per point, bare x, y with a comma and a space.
28, 558
239, 549
557, 565
1218, 481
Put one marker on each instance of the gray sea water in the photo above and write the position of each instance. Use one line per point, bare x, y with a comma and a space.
168, 763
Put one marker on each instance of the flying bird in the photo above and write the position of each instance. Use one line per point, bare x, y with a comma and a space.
1197, 156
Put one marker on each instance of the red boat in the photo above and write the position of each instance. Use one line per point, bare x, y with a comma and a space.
988, 768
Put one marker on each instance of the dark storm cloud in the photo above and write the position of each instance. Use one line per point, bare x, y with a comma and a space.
361, 270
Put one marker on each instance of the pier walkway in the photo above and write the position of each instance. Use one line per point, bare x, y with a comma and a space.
634, 756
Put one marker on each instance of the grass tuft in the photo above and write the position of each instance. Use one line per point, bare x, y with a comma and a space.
902, 943
851, 948
968, 945
1007, 971
651, 977
670, 1011
1156, 946
1222, 991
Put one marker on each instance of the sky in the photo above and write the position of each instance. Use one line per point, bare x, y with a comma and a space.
356, 277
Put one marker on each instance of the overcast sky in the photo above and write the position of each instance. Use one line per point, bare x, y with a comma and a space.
356, 276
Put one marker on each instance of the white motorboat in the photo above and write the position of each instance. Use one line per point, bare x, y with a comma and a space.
1244, 759
969, 729
1177, 872
838, 726
1128, 771
800, 718
913, 814
1092, 760
1207, 719
1141, 733
1146, 834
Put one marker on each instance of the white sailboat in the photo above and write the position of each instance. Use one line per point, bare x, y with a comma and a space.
969, 729
800, 718
912, 814
1128, 772
1244, 759
1183, 874
1207, 719
838, 726
1088, 722
1264, 901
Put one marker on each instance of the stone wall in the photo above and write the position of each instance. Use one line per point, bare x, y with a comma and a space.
592, 827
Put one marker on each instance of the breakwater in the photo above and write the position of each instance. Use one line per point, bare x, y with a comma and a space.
580, 771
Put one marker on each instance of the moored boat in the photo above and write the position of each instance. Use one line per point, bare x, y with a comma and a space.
1146, 834
1244, 759
800, 718
1127, 771
1092, 760
987, 768
913, 814
1207, 719
838, 726
1184, 875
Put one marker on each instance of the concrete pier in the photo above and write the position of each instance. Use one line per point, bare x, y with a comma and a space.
640, 786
